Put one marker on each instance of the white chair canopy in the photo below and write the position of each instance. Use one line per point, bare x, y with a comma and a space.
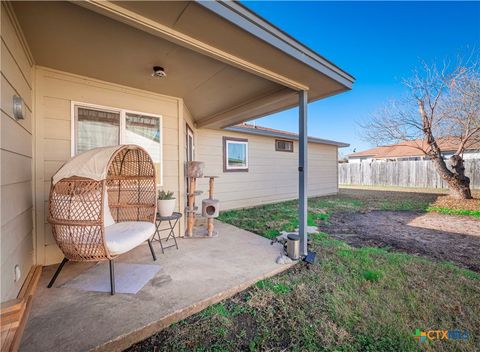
91, 164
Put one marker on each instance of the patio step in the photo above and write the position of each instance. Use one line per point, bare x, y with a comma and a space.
14, 313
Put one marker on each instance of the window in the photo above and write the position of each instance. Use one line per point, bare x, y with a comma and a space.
100, 127
235, 154
283, 145
145, 131
96, 128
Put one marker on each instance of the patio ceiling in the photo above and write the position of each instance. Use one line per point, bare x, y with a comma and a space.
208, 56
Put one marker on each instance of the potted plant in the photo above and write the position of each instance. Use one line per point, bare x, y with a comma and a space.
166, 203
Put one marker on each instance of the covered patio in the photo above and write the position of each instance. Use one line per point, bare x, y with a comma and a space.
213, 76
198, 274
224, 65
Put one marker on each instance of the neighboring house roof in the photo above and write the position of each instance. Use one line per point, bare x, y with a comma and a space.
270, 132
369, 152
413, 148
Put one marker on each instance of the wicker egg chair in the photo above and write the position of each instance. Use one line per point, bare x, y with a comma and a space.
103, 203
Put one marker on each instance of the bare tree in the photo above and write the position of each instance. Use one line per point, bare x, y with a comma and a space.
442, 107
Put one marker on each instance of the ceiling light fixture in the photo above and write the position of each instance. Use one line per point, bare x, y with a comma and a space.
158, 71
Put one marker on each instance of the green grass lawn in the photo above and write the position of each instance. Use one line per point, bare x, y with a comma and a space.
352, 299
269, 220
449, 211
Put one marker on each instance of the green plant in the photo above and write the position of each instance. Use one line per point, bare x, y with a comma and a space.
165, 195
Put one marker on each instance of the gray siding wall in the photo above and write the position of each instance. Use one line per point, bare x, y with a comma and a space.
16, 158
272, 175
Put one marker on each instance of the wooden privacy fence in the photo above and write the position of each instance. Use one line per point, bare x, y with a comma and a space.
419, 173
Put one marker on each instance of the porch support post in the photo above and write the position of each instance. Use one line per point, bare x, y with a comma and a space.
302, 170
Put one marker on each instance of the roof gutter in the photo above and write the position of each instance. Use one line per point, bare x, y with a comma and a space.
239, 15
285, 136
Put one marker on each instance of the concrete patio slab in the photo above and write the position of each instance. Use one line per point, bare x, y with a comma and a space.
202, 272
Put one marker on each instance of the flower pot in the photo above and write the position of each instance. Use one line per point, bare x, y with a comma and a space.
166, 207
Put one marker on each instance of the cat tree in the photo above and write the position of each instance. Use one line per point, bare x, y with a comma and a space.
210, 206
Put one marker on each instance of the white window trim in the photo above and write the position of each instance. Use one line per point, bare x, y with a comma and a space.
227, 142
123, 113
190, 134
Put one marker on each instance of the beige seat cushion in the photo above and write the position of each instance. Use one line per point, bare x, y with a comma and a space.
107, 215
124, 236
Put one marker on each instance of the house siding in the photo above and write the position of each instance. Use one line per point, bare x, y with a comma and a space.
272, 175
16, 157
55, 91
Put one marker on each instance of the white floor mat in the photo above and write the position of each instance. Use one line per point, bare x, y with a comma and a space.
129, 278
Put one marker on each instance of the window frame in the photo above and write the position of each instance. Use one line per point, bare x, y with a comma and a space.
283, 150
226, 141
189, 134
122, 127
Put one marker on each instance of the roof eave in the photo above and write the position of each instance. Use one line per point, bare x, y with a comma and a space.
285, 136
244, 18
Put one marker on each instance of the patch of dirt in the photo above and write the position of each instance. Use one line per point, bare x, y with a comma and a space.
245, 325
371, 197
452, 203
437, 236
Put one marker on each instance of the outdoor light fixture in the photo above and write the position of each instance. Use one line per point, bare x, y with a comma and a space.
158, 72
18, 108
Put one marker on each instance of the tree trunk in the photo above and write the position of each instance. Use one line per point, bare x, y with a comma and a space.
458, 183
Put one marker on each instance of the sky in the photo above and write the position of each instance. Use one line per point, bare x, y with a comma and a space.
379, 43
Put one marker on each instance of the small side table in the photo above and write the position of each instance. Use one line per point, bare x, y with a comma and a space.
172, 222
